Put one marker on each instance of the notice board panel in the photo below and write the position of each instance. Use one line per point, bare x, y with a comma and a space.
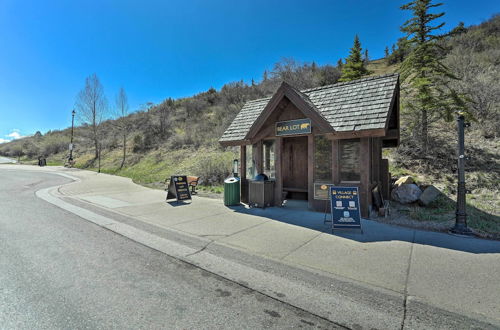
345, 207
178, 188
322, 191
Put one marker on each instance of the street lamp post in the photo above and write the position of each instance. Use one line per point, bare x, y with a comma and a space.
71, 144
460, 227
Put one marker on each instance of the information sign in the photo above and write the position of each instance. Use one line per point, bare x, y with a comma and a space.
178, 188
322, 191
345, 207
293, 127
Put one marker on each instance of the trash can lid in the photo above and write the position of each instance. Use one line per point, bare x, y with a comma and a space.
261, 177
231, 180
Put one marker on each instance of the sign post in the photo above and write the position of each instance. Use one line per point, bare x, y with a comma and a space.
345, 207
178, 188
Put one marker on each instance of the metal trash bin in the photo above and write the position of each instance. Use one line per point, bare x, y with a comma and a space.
261, 191
232, 191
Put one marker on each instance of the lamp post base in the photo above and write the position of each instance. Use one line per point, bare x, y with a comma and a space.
461, 230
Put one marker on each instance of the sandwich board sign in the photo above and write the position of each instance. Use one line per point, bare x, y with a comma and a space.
178, 188
345, 207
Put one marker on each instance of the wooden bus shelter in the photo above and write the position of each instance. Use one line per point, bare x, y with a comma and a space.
307, 140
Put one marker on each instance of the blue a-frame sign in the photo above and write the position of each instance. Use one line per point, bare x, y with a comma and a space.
345, 207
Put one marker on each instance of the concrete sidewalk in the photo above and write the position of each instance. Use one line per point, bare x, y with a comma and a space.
460, 275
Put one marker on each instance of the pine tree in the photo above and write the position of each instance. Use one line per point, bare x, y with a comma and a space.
386, 52
367, 58
354, 67
423, 71
340, 64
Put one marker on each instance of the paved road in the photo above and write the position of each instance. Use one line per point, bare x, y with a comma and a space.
59, 271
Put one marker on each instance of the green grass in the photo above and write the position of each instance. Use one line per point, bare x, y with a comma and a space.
156, 166
217, 189
483, 206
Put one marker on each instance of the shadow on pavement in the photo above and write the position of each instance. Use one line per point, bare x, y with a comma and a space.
373, 231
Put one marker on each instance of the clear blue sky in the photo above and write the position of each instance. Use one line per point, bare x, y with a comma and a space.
160, 49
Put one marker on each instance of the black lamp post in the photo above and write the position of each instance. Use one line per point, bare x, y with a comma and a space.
460, 227
71, 144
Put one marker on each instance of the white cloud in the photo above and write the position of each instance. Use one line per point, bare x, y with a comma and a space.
14, 135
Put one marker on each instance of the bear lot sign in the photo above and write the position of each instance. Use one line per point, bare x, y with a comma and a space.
293, 127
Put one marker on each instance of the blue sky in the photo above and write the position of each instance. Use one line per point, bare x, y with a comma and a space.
160, 49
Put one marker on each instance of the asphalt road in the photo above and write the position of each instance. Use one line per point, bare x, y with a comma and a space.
58, 271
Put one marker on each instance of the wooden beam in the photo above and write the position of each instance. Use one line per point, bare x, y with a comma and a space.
376, 158
266, 132
243, 174
268, 110
392, 134
234, 143
258, 158
335, 162
278, 186
310, 170
365, 165
283, 92
243, 162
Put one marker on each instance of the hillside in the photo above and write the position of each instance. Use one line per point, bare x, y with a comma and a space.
180, 136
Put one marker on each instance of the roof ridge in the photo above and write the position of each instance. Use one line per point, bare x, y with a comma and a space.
350, 82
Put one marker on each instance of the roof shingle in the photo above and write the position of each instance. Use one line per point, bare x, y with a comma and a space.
350, 106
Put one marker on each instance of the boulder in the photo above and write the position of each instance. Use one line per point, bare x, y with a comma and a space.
406, 193
428, 195
404, 180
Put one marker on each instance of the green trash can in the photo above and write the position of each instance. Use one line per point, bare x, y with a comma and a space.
232, 191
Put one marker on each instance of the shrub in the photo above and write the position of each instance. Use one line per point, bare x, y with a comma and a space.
137, 143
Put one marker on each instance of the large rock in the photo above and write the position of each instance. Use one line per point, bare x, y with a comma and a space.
404, 180
406, 193
429, 195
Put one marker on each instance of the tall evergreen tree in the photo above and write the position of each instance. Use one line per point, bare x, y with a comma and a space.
386, 52
354, 68
427, 78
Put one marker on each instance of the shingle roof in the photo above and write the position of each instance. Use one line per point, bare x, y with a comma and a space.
350, 106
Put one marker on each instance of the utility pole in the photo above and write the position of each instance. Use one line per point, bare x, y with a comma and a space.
460, 227
70, 160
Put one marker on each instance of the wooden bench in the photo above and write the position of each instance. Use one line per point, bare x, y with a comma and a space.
193, 183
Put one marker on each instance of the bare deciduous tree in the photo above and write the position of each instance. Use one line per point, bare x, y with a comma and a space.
91, 108
122, 123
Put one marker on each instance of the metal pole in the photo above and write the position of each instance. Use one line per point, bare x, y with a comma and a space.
72, 127
460, 227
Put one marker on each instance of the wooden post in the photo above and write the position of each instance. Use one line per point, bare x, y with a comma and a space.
335, 162
243, 173
243, 162
258, 158
376, 159
278, 187
310, 170
365, 168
